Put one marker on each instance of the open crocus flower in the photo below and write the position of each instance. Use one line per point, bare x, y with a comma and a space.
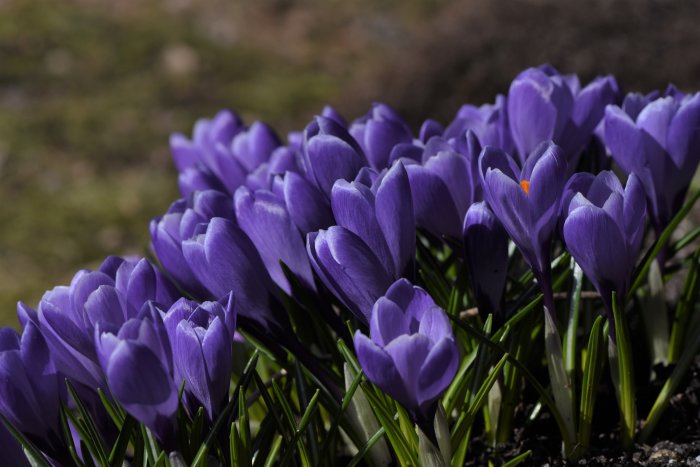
604, 228
486, 251
660, 142
527, 202
410, 353
565, 113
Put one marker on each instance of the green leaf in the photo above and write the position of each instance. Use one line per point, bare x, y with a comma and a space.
88, 431
405, 454
561, 385
464, 423
669, 389
517, 460
684, 309
570, 354
118, 453
622, 372
541, 391
223, 419
641, 273
595, 358
367, 447
270, 460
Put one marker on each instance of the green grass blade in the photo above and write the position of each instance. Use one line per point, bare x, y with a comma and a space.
641, 273
357, 458
118, 453
684, 309
620, 355
541, 391
517, 460
91, 434
592, 372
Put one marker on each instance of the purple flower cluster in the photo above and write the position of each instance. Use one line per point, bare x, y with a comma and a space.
334, 213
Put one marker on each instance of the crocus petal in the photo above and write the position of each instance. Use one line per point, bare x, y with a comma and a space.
264, 218
394, 211
379, 367
595, 241
437, 370
308, 209
408, 354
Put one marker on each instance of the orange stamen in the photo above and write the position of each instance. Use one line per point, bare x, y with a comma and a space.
525, 184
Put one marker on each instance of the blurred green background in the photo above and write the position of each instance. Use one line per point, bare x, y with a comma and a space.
90, 91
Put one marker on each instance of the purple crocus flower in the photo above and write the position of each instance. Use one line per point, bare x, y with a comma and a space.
179, 224
112, 294
199, 160
224, 259
31, 390
566, 114
527, 202
306, 205
604, 228
138, 363
378, 132
373, 243
330, 154
660, 142
445, 185
488, 122
263, 216
486, 251
410, 353
201, 337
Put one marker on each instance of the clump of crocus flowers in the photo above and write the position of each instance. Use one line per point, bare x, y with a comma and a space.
403, 281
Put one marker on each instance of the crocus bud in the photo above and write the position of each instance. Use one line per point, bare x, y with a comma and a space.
255, 145
224, 260
444, 186
378, 132
112, 294
30, 388
203, 162
603, 230
486, 251
179, 224
307, 207
489, 123
330, 154
410, 353
373, 244
202, 351
138, 364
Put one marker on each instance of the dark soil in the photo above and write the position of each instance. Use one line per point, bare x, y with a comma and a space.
675, 442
